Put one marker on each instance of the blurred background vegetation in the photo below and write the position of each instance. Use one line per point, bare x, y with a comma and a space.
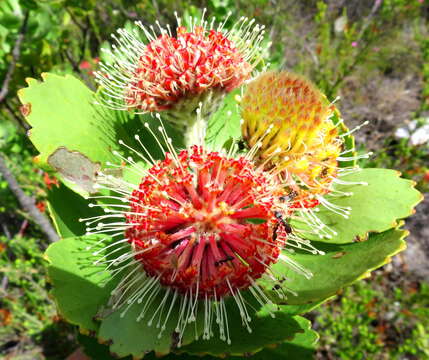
373, 54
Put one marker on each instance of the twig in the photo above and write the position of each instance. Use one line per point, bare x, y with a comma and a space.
5, 229
4, 283
362, 51
18, 119
28, 203
16, 53
75, 21
23, 227
155, 5
367, 21
349, 69
76, 69
85, 34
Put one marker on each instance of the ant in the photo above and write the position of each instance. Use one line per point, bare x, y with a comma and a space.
280, 219
324, 172
289, 197
241, 145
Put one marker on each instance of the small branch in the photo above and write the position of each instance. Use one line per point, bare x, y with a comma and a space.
75, 21
76, 69
368, 19
5, 228
155, 5
18, 119
85, 34
16, 53
27, 203
23, 227
4, 283
349, 69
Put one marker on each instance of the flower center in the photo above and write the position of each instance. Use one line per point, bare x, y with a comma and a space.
205, 222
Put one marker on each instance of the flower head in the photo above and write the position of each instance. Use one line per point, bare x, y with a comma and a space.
199, 226
288, 121
191, 218
175, 70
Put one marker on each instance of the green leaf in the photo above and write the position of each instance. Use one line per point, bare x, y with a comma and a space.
66, 207
29, 4
128, 336
341, 265
76, 137
62, 114
79, 294
72, 134
301, 347
11, 21
80, 297
76, 282
299, 309
224, 124
376, 207
266, 331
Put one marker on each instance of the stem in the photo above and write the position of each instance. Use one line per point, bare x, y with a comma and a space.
28, 204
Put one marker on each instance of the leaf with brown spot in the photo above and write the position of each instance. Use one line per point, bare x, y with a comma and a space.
75, 167
25, 109
331, 273
338, 255
375, 207
64, 115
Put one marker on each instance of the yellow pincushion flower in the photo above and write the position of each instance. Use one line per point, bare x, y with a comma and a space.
288, 120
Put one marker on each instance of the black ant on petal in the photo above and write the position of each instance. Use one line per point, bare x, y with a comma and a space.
282, 221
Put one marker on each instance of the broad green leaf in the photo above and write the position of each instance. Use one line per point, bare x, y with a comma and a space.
224, 124
299, 309
62, 113
77, 283
75, 136
266, 331
127, 336
301, 347
80, 296
341, 265
66, 207
376, 207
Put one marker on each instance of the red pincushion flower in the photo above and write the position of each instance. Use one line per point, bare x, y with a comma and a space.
170, 69
192, 223
203, 226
